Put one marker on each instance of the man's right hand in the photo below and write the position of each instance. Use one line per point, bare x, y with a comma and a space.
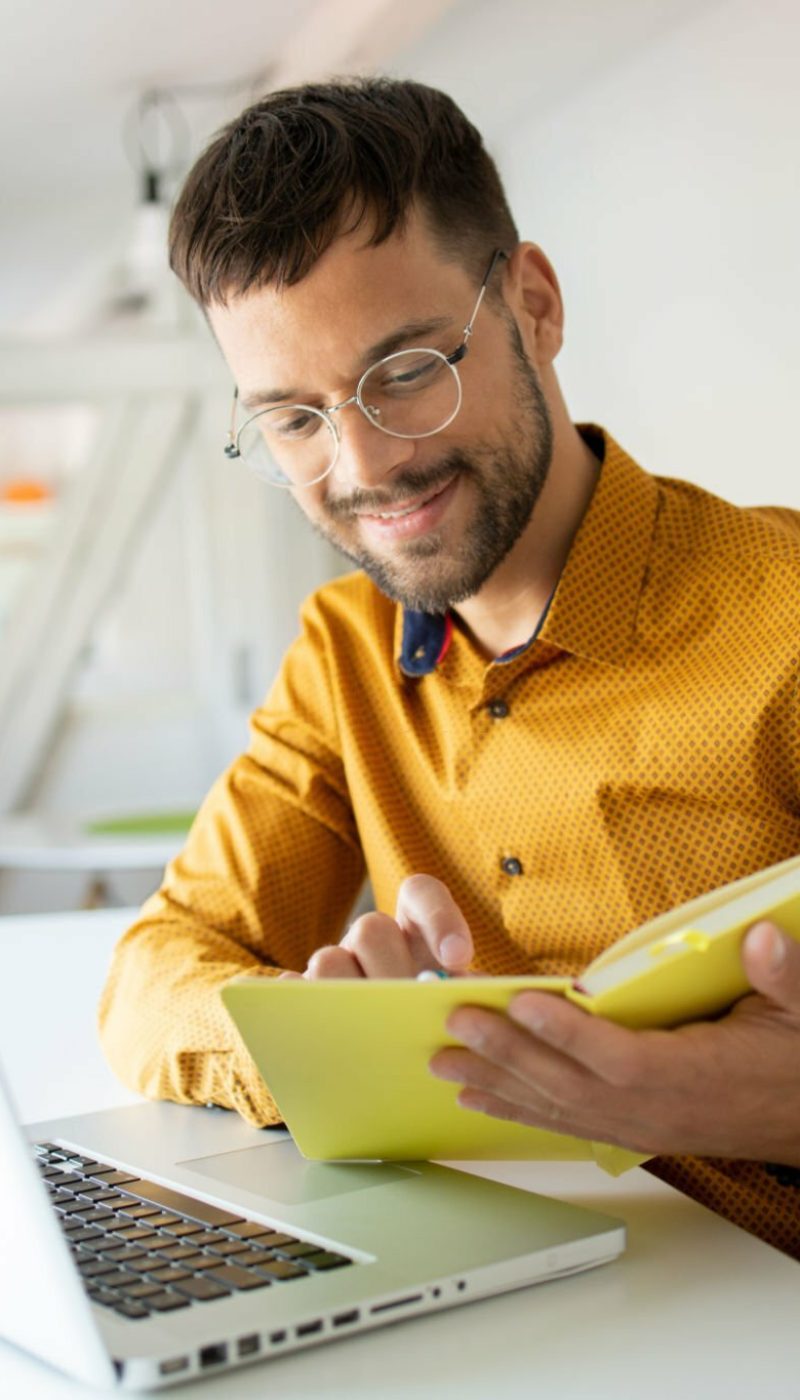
428, 932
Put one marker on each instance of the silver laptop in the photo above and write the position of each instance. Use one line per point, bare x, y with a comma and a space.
155, 1243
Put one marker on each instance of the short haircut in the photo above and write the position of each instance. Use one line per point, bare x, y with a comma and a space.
303, 166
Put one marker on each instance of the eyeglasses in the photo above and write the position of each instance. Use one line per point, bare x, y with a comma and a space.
410, 394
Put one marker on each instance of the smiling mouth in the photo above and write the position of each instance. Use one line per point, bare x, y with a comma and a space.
407, 509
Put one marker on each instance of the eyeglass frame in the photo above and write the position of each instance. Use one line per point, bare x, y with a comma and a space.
231, 448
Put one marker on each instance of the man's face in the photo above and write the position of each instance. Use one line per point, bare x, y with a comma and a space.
429, 519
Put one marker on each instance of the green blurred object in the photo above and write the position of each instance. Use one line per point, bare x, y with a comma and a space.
152, 824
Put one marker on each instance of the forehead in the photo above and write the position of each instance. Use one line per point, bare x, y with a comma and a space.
353, 297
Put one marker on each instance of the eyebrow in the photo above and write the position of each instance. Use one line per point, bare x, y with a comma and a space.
412, 330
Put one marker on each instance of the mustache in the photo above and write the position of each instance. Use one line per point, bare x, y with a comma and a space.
408, 487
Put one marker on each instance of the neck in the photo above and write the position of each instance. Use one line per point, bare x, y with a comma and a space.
507, 610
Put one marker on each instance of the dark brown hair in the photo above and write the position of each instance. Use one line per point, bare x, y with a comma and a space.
303, 166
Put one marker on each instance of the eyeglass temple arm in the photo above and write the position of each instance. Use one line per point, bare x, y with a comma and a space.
469, 327
230, 449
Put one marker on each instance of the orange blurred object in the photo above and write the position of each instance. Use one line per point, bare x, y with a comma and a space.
24, 490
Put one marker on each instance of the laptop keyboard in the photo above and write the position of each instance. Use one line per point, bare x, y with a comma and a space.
143, 1249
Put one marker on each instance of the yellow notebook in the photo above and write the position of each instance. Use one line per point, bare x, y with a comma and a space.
346, 1061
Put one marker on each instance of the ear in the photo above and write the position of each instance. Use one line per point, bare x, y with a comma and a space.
534, 296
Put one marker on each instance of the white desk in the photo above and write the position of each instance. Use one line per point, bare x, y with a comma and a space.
51, 844
696, 1309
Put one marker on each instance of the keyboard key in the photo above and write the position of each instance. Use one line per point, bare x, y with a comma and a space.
141, 1290
143, 1265
326, 1260
274, 1240
188, 1227
126, 1253
135, 1210
65, 1179
105, 1299
132, 1310
226, 1247
92, 1268
178, 1251
69, 1206
205, 1262
254, 1258
169, 1275
239, 1278
167, 1302
135, 1232
96, 1213
162, 1221
118, 1279
109, 1176
205, 1237
184, 1205
202, 1289
98, 1193
81, 1234
282, 1269
296, 1251
249, 1230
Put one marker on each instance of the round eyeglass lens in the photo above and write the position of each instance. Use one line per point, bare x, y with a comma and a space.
413, 393
288, 446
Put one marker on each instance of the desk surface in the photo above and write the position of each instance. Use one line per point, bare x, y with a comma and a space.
695, 1308
50, 843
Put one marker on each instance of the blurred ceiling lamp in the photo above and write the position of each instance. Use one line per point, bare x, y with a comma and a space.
141, 292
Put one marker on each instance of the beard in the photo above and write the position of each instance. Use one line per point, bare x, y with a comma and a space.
507, 479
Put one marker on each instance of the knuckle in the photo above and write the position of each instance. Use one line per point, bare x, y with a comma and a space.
369, 933
325, 961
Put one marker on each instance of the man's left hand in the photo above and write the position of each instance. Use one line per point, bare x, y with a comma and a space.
725, 1088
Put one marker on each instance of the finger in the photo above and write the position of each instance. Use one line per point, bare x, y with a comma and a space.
616, 1055
380, 948
289, 977
332, 962
429, 915
771, 960
475, 1072
479, 1101
503, 1049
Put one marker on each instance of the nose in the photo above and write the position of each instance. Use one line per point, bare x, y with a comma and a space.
367, 456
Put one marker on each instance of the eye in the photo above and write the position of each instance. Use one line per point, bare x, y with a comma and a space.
290, 424
408, 373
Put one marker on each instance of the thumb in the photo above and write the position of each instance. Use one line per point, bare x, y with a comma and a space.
771, 960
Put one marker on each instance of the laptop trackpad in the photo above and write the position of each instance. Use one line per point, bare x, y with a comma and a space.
277, 1170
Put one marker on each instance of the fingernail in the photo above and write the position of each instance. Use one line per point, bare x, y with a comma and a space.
772, 942
453, 949
531, 1017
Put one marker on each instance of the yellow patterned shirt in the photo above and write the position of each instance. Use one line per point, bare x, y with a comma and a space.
642, 748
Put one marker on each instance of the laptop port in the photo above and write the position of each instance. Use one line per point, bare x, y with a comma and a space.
248, 1346
214, 1355
397, 1303
345, 1319
276, 1337
306, 1328
175, 1364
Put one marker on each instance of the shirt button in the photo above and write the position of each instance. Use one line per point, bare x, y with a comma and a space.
498, 709
511, 866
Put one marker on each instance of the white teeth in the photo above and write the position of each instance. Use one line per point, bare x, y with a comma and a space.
396, 514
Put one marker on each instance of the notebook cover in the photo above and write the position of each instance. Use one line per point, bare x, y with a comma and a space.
347, 1063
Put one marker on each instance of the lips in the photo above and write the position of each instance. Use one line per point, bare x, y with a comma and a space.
410, 518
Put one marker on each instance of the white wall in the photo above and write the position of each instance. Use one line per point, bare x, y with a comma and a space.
664, 184
651, 147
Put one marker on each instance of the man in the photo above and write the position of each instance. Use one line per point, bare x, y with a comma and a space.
557, 697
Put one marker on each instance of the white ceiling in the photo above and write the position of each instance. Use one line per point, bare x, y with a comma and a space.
70, 70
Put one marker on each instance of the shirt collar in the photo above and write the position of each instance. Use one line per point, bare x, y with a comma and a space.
594, 608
